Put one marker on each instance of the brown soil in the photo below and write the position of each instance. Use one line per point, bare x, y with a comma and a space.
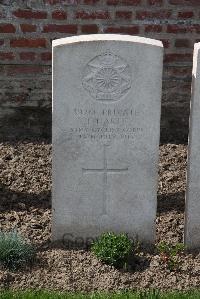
25, 184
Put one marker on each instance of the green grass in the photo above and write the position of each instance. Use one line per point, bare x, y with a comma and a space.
125, 295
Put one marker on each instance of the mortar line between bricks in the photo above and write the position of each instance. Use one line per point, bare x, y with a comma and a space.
25, 64
145, 21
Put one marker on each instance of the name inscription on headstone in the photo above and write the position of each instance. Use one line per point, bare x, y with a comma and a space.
105, 124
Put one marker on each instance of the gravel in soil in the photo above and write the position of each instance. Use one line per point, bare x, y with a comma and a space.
25, 204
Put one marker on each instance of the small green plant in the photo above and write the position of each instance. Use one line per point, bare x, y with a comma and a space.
15, 252
169, 254
113, 249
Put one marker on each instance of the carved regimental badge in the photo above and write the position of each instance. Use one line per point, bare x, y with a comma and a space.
107, 77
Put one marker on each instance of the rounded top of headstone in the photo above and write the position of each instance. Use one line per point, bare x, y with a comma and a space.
195, 69
197, 45
106, 37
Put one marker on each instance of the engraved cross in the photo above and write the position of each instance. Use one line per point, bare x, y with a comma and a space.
105, 170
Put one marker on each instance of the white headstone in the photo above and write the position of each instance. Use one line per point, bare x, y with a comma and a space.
106, 124
192, 214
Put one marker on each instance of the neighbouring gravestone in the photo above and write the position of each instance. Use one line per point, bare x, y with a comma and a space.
192, 213
106, 123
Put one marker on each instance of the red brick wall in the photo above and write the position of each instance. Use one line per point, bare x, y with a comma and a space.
26, 31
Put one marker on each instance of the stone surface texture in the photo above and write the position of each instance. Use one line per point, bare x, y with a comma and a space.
192, 214
106, 124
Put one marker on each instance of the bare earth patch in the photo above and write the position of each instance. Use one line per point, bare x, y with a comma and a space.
25, 204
